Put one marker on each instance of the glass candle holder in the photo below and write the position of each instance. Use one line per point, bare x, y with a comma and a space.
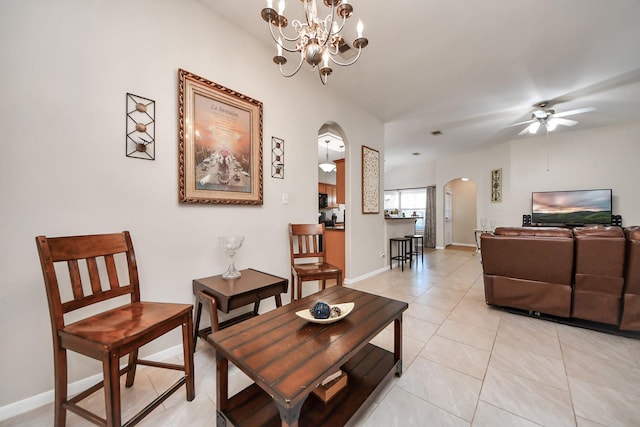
230, 245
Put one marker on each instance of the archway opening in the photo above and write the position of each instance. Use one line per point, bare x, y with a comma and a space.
333, 187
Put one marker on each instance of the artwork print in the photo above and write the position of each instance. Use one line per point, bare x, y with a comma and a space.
220, 144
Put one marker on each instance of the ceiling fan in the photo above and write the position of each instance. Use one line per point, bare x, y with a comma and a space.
549, 119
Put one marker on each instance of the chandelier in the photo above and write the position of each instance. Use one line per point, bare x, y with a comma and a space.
317, 40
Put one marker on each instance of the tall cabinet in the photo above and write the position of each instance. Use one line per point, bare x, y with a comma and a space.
340, 191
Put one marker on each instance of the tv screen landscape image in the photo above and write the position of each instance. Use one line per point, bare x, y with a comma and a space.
577, 207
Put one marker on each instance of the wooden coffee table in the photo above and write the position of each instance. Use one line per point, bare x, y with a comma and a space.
217, 293
287, 357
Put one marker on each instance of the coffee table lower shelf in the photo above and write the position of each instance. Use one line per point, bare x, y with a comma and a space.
366, 370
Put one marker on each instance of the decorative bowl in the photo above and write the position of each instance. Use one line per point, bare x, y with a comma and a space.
345, 309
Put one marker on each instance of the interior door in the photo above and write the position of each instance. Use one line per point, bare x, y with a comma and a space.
448, 225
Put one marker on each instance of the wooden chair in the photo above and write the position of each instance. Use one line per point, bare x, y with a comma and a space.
110, 334
306, 241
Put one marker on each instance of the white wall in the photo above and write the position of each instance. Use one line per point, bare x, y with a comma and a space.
411, 176
66, 69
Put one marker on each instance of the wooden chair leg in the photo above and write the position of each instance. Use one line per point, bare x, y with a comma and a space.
187, 349
131, 368
212, 307
111, 371
60, 379
196, 323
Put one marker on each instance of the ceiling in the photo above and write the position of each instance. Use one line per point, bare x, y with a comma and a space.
471, 69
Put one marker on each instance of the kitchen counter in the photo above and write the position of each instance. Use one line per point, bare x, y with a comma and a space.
399, 227
392, 218
335, 246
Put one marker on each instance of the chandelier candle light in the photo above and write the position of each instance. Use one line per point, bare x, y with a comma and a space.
317, 40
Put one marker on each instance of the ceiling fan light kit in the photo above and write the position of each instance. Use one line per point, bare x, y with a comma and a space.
548, 119
317, 40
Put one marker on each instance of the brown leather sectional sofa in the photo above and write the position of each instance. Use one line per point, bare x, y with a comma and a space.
631, 302
585, 273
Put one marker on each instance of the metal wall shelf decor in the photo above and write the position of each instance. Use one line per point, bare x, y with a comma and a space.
277, 157
496, 186
141, 127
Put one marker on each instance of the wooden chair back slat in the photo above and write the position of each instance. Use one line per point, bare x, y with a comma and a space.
75, 304
76, 280
112, 272
94, 276
78, 247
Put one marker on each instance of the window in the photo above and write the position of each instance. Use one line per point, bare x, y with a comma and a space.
407, 201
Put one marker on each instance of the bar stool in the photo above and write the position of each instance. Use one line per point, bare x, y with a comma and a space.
403, 251
417, 237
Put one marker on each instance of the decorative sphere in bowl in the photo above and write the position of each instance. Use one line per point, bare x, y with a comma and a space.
321, 310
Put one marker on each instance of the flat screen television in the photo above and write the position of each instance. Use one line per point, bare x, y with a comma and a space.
577, 207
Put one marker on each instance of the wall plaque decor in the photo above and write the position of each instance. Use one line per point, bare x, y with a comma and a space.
141, 127
220, 143
277, 157
370, 180
496, 186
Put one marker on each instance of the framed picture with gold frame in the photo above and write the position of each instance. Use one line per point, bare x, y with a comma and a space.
220, 143
370, 180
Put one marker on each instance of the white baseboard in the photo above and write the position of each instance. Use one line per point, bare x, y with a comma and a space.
366, 276
470, 245
25, 405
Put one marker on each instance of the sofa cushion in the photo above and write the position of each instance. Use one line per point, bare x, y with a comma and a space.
543, 259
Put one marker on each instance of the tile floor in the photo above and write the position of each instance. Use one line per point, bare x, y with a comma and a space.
465, 364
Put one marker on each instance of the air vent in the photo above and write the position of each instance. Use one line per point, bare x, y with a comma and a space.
436, 132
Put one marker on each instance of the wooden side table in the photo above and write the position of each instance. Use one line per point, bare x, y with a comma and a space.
217, 293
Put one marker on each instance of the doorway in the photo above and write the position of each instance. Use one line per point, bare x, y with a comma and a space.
460, 212
448, 225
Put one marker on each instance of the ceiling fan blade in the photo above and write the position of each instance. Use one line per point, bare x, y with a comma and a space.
572, 112
528, 128
519, 123
565, 122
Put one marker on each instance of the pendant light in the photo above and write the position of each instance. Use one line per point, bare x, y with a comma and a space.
326, 166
